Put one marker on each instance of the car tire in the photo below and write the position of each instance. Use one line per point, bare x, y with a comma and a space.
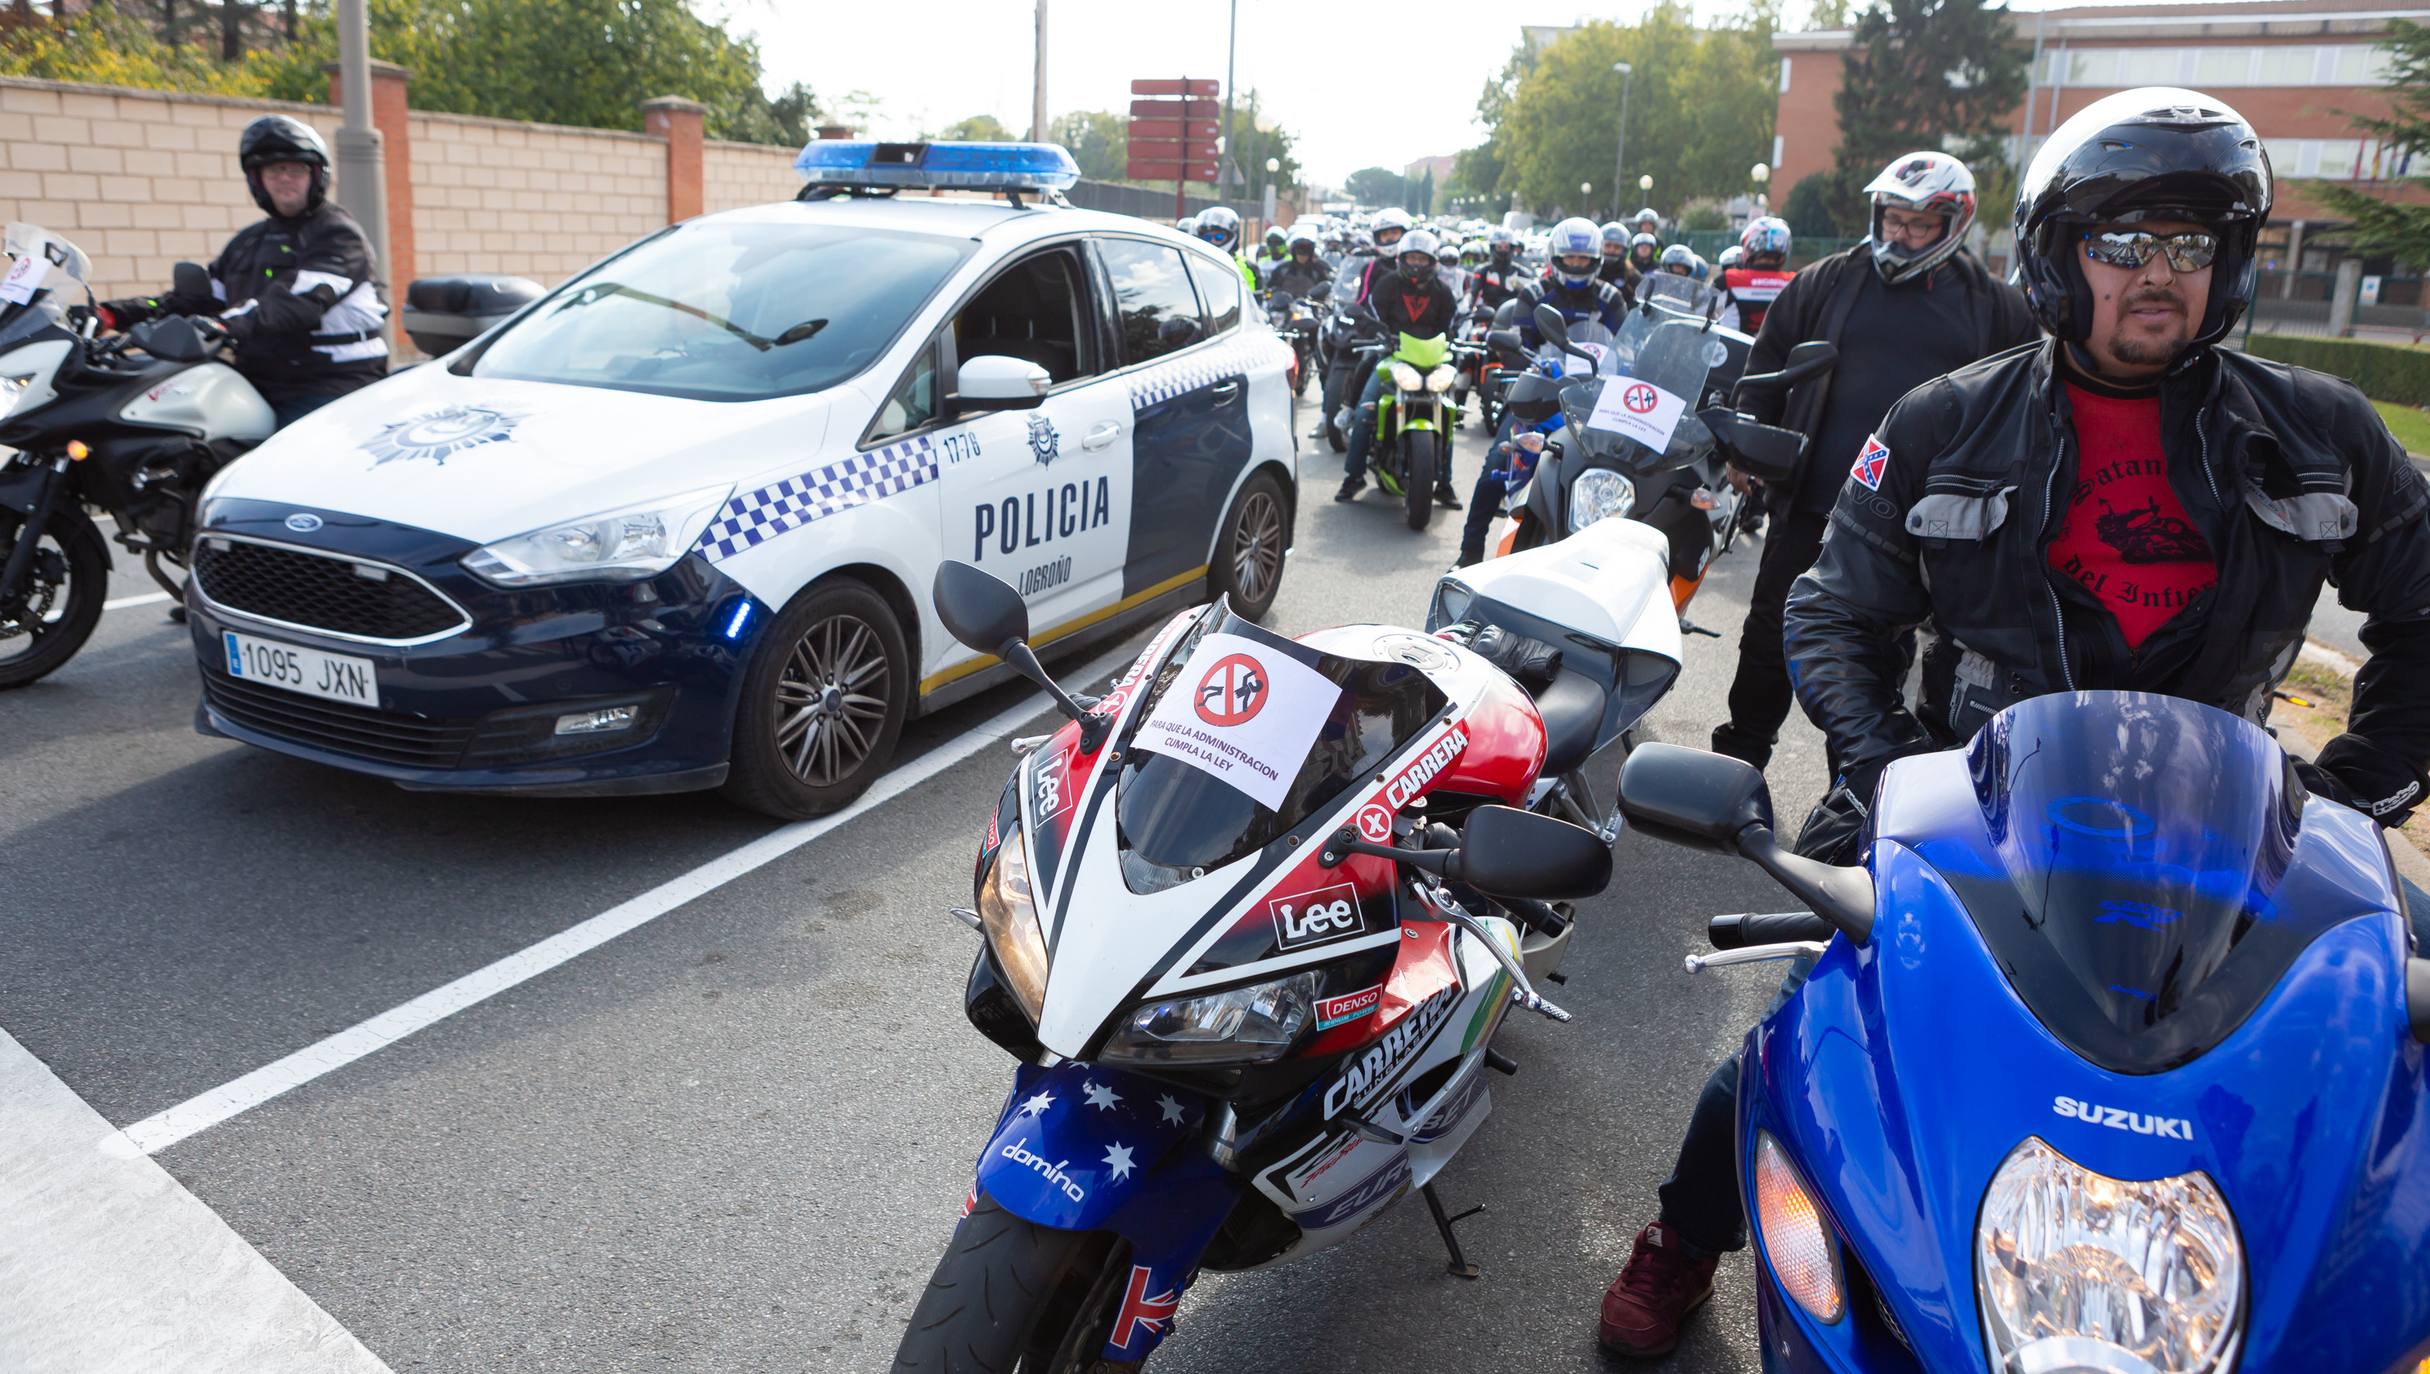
823, 703
1248, 565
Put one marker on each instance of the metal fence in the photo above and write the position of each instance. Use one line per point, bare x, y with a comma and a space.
1147, 202
2304, 303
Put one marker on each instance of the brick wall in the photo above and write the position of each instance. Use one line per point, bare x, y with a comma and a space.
534, 200
738, 174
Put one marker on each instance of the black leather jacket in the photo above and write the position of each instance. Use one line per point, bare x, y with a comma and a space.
1298, 278
2292, 478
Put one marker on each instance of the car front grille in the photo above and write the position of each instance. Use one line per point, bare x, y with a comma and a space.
314, 591
380, 736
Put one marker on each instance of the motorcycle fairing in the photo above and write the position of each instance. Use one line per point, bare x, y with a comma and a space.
1111, 1136
1903, 1073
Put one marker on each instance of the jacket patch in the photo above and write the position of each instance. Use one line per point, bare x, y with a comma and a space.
1871, 462
1945, 515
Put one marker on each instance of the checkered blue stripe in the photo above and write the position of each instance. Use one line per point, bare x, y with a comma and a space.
1195, 370
754, 518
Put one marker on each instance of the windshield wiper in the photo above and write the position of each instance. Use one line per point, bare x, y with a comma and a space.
800, 332
615, 288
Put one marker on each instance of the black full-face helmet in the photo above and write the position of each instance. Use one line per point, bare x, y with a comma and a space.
278, 138
2157, 153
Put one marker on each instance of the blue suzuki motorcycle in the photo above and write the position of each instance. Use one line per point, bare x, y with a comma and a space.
2110, 1060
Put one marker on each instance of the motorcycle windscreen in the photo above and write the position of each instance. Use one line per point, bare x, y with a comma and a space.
60, 283
1177, 821
1673, 355
2149, 889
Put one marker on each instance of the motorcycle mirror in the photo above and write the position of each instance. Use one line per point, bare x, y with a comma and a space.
171, 338
982, 612
1762, 451
190, 279
1512, 853
1554, 328
1690, 797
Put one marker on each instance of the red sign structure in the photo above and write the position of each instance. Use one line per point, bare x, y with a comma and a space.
1173, 132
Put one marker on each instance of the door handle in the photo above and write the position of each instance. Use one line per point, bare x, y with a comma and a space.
1226, 390
1102, 435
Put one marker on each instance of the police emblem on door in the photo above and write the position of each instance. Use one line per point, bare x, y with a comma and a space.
1045, 444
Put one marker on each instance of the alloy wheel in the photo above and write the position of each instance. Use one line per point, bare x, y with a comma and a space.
1257, 545
831, 700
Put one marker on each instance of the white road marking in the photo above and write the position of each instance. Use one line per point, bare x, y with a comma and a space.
147, 599
110, 1265
161, 1130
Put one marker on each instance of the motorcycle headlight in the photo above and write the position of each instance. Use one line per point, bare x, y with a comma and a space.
1599, 494
1796, 1242
12, 390
1406, 377
2083, 1272
618, 546
1442, 377
1008, 912
1251, 1025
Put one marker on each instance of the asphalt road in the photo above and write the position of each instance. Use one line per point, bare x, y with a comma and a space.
736, 1138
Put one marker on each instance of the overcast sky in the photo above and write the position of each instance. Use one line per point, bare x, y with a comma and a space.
1354, 88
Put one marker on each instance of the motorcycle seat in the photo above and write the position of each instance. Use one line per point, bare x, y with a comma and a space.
1572, 708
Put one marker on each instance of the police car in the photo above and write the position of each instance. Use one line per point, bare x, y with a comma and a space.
673, 524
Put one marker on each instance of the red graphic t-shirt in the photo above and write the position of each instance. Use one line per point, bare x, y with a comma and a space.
2125, 537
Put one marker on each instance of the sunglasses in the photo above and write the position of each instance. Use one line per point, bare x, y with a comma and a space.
2189, 252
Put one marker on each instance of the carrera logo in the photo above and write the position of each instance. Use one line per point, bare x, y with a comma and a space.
1335, 1011
1319, 917
2120, 1119
1423, 769
1375, 1067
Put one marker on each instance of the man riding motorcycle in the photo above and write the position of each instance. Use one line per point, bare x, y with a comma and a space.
1389, 227
1644, 253
1615, 267
2125, 505
1273, 250
1571, 282
1221, 226
1300, 272
299, 292
1502, 274
1412, 300
1756, 279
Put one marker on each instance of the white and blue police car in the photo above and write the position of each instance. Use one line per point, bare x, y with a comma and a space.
673, 525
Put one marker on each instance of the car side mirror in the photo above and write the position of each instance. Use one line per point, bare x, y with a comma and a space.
170, 338
190, 279
1690, 797
1512, 853
993, 382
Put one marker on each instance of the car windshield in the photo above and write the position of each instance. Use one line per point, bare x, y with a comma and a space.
54, 280
1178, 820
2152, 874
722, 311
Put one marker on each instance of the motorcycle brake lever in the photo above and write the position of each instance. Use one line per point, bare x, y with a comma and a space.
1755, 954
1522, 990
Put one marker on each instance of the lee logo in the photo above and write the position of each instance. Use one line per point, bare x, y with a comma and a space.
1052, 782
1319, 917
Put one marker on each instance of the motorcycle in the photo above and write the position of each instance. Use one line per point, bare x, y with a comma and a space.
1294, 318
2110, 1058
1412, 448
1637, 443
1251, 923
1348, 328
132, 424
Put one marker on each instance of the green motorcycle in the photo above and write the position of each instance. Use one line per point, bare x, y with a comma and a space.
1413, 420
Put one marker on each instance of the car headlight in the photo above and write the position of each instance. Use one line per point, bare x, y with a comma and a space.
1442, 377
1599, 494
2080, 1271
1250, 1025
1406, 377
1008, 912
1796, 1242
617, 546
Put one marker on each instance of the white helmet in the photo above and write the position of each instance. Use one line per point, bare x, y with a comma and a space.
1187, 224
1576, 236
1392, 218
1417, 241
1935, 183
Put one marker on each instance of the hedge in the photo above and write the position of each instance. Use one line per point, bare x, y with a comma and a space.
2385, 372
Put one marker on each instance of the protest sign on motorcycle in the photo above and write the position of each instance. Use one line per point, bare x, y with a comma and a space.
1246, 714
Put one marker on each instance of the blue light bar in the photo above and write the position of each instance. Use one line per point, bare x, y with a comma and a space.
924, 166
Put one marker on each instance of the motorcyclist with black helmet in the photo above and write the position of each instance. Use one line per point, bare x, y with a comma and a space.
2123, 505
299, 292
1300, 272
1501, 275
1412, 300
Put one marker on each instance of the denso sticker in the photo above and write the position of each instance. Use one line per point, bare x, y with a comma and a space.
1422, 769
1369, 1072
1243, 711
1321, 917
1335, 1011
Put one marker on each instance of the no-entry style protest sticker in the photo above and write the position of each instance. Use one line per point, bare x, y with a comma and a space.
1244, 712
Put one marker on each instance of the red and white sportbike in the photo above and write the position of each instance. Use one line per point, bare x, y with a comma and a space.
1252, 921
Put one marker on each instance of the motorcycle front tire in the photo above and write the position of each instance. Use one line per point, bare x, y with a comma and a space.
1337, 378
88, 584
1418, 468
1001, 1284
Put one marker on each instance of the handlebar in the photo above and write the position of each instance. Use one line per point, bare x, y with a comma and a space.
1819, 358
1745, 929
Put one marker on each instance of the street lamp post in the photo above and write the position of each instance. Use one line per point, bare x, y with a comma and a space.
1760, 174
1586, 194
1628, 77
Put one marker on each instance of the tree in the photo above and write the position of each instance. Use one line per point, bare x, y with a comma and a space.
1098, 141
2382, 225
1477, 172
1421, 193
979, 128
1808, 208
1256, 138
1375, 186
1927, 74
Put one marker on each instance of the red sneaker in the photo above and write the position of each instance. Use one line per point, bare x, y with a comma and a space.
1645, 1307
